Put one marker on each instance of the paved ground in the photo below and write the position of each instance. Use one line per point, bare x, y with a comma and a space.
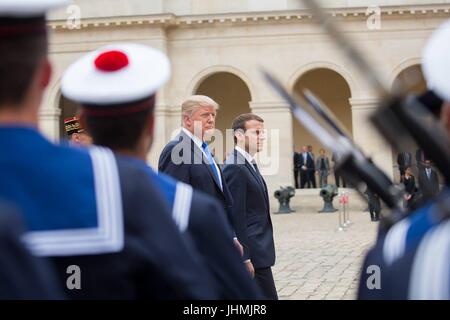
314, 259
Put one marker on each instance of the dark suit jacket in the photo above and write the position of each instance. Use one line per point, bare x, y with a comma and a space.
309, 161
251, 211
192, 167
428, 187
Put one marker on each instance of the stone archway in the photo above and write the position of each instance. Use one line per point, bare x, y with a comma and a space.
332, 88
233, 96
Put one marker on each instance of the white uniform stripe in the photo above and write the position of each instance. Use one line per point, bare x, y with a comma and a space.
395, 241
108, 236
182, 205
430, 272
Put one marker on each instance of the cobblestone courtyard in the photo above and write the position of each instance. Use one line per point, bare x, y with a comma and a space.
314, 259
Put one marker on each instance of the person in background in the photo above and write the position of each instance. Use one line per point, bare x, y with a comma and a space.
76, 134
410, 188
323, 168
297, 169
404, 159
312, 169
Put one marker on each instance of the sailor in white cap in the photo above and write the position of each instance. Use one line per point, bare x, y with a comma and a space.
83, 208
414, 255
116, 87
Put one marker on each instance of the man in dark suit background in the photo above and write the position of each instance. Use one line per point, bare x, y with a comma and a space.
297, 168
251, 207
187, 157
306, 166
404, 160
428, 182
312, 170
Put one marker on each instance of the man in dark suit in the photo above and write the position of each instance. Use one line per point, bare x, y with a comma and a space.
251, 207
306, 166
95, 215
297, 169
188, 159
404, 160
428, 182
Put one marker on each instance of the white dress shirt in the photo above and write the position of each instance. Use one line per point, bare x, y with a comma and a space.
198, 142
246, 155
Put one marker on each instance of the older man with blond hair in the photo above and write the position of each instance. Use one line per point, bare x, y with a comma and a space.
188, 158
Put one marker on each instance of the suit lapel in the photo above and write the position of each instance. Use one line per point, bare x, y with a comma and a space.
198, 157
252, 170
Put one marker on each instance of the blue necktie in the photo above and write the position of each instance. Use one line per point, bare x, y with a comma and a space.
211, 160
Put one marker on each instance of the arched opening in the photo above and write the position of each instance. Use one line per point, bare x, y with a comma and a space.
413, 81
233, 96
330, 87
69, 109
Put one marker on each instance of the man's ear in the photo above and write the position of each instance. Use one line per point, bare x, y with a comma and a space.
186, 121
45, 73
76, 138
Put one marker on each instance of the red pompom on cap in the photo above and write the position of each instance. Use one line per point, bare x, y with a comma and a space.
111, 61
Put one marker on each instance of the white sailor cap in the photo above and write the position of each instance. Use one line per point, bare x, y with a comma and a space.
436, 62
28, 8
114, 75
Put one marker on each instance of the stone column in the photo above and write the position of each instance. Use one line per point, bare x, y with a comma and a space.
276, 159
367, 137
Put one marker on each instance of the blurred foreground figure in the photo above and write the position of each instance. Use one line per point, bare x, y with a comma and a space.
412, 260
98, 217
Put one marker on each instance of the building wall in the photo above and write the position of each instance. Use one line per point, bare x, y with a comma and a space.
205, 39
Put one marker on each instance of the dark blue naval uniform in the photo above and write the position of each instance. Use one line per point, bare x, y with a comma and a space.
22, 276
396, 252
205, 222
101, 213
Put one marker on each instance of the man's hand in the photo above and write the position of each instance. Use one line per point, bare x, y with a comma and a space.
239, 246
250, 268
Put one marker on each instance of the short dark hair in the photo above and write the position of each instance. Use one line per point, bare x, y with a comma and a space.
118, 132
240, 121
20, 56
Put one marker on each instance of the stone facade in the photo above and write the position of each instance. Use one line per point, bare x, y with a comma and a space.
203, 38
